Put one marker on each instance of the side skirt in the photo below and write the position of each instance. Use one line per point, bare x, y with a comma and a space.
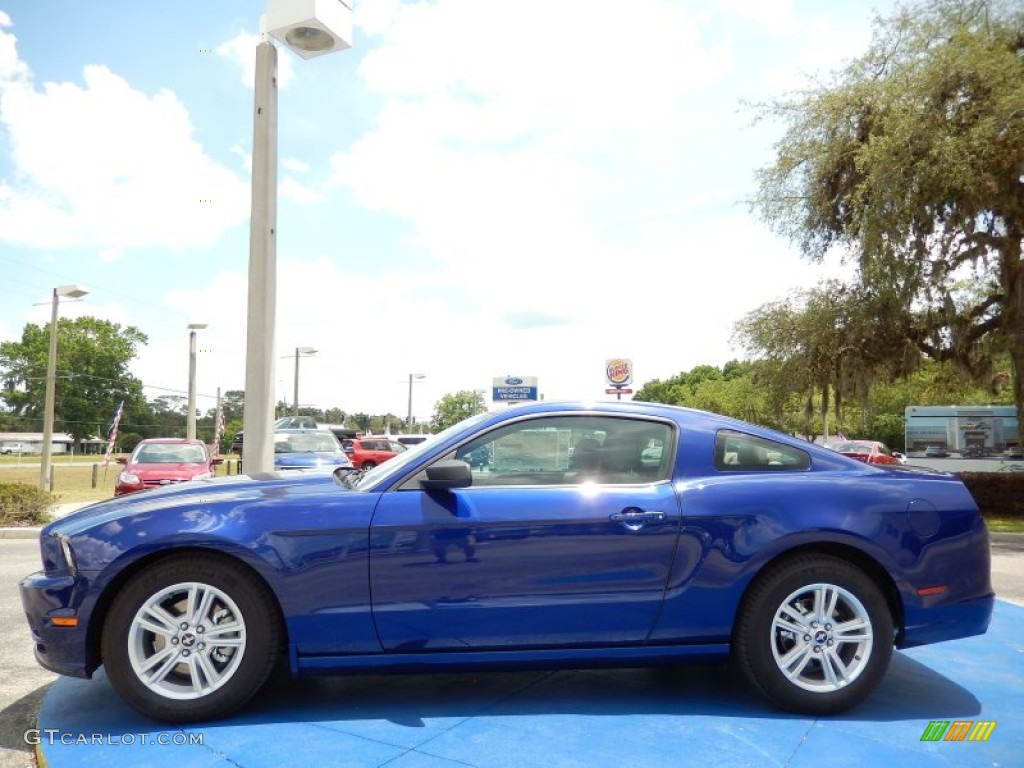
569, 658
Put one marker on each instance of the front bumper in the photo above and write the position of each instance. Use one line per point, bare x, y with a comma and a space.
63, 650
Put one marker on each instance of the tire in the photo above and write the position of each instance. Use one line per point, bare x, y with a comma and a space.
368, 465
159, 659
787, 640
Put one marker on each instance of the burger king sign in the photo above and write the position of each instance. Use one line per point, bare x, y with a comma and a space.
618, 372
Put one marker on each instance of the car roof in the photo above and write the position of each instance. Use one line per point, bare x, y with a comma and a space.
172, 440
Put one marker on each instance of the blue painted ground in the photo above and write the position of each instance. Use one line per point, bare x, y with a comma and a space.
661, 717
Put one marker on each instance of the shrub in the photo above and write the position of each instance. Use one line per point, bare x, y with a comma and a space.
22, 504
998, 494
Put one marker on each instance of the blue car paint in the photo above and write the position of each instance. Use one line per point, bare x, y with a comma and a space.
550, 579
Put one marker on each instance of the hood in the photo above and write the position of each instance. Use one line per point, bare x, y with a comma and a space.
170, 471
197, 495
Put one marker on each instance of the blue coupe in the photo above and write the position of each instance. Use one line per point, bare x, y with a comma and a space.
594, 535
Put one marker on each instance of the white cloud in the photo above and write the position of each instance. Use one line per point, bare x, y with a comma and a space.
295, 165
294, 189
772, 16
241, 50
244, 155
104, 165
12, 69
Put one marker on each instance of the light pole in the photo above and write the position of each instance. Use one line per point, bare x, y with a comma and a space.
299, 352
412, 377
71, 292
190, 429
310, 28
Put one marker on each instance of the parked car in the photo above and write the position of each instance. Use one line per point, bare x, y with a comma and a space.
287, 422
12, 448
869, 451
1014, 452
806, 566
935, 452
159, 462
307, 449
368, 452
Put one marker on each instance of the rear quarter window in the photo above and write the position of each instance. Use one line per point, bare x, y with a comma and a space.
740, 452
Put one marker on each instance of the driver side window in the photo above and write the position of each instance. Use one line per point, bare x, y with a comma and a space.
571, 450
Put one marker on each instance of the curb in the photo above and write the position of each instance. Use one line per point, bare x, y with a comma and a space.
32, 531
28, 532
1006, 537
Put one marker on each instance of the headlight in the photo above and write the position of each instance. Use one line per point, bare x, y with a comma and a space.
58, 557
69, 555
127, 478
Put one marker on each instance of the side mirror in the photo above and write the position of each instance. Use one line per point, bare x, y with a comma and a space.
217, 460
445, 475
121, 459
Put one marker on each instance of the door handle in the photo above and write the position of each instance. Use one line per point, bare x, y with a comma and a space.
634, 518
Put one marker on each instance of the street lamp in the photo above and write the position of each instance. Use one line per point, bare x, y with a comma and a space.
412, 377
70, 292
299, 352
190, 432
310, 28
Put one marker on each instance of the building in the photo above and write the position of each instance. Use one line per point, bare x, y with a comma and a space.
966, 429
32, 442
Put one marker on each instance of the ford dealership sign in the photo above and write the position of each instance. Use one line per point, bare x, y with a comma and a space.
514, 388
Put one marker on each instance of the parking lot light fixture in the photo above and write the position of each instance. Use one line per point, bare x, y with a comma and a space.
190, 429
311, 28
303, 26
299, 352
67, 292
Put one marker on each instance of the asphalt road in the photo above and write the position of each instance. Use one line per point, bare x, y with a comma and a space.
23, 682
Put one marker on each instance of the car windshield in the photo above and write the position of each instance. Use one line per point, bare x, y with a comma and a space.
397, 466
312, 442
169, 453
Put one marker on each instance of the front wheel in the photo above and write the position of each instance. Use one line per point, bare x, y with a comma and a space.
191, 638
814, 635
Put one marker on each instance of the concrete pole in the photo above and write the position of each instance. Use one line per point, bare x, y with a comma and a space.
258, 418
295, 394
190, 429
51, 390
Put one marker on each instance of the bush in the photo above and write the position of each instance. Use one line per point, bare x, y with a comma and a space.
998, 494
22, 504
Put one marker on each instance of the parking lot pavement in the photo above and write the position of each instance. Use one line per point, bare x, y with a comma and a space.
659, 717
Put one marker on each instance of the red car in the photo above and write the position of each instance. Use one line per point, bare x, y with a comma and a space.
163, 461
368, 452
869, 451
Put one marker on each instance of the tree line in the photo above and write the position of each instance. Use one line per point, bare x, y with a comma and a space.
93, 357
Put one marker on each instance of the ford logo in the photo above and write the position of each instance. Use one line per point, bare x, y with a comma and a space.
513, 381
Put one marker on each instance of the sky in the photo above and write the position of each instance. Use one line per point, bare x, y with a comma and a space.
475, 189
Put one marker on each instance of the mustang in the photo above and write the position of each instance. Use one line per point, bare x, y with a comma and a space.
595, 535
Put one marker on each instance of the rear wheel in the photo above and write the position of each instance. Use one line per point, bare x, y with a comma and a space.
814, 635
368, 465
191, 638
